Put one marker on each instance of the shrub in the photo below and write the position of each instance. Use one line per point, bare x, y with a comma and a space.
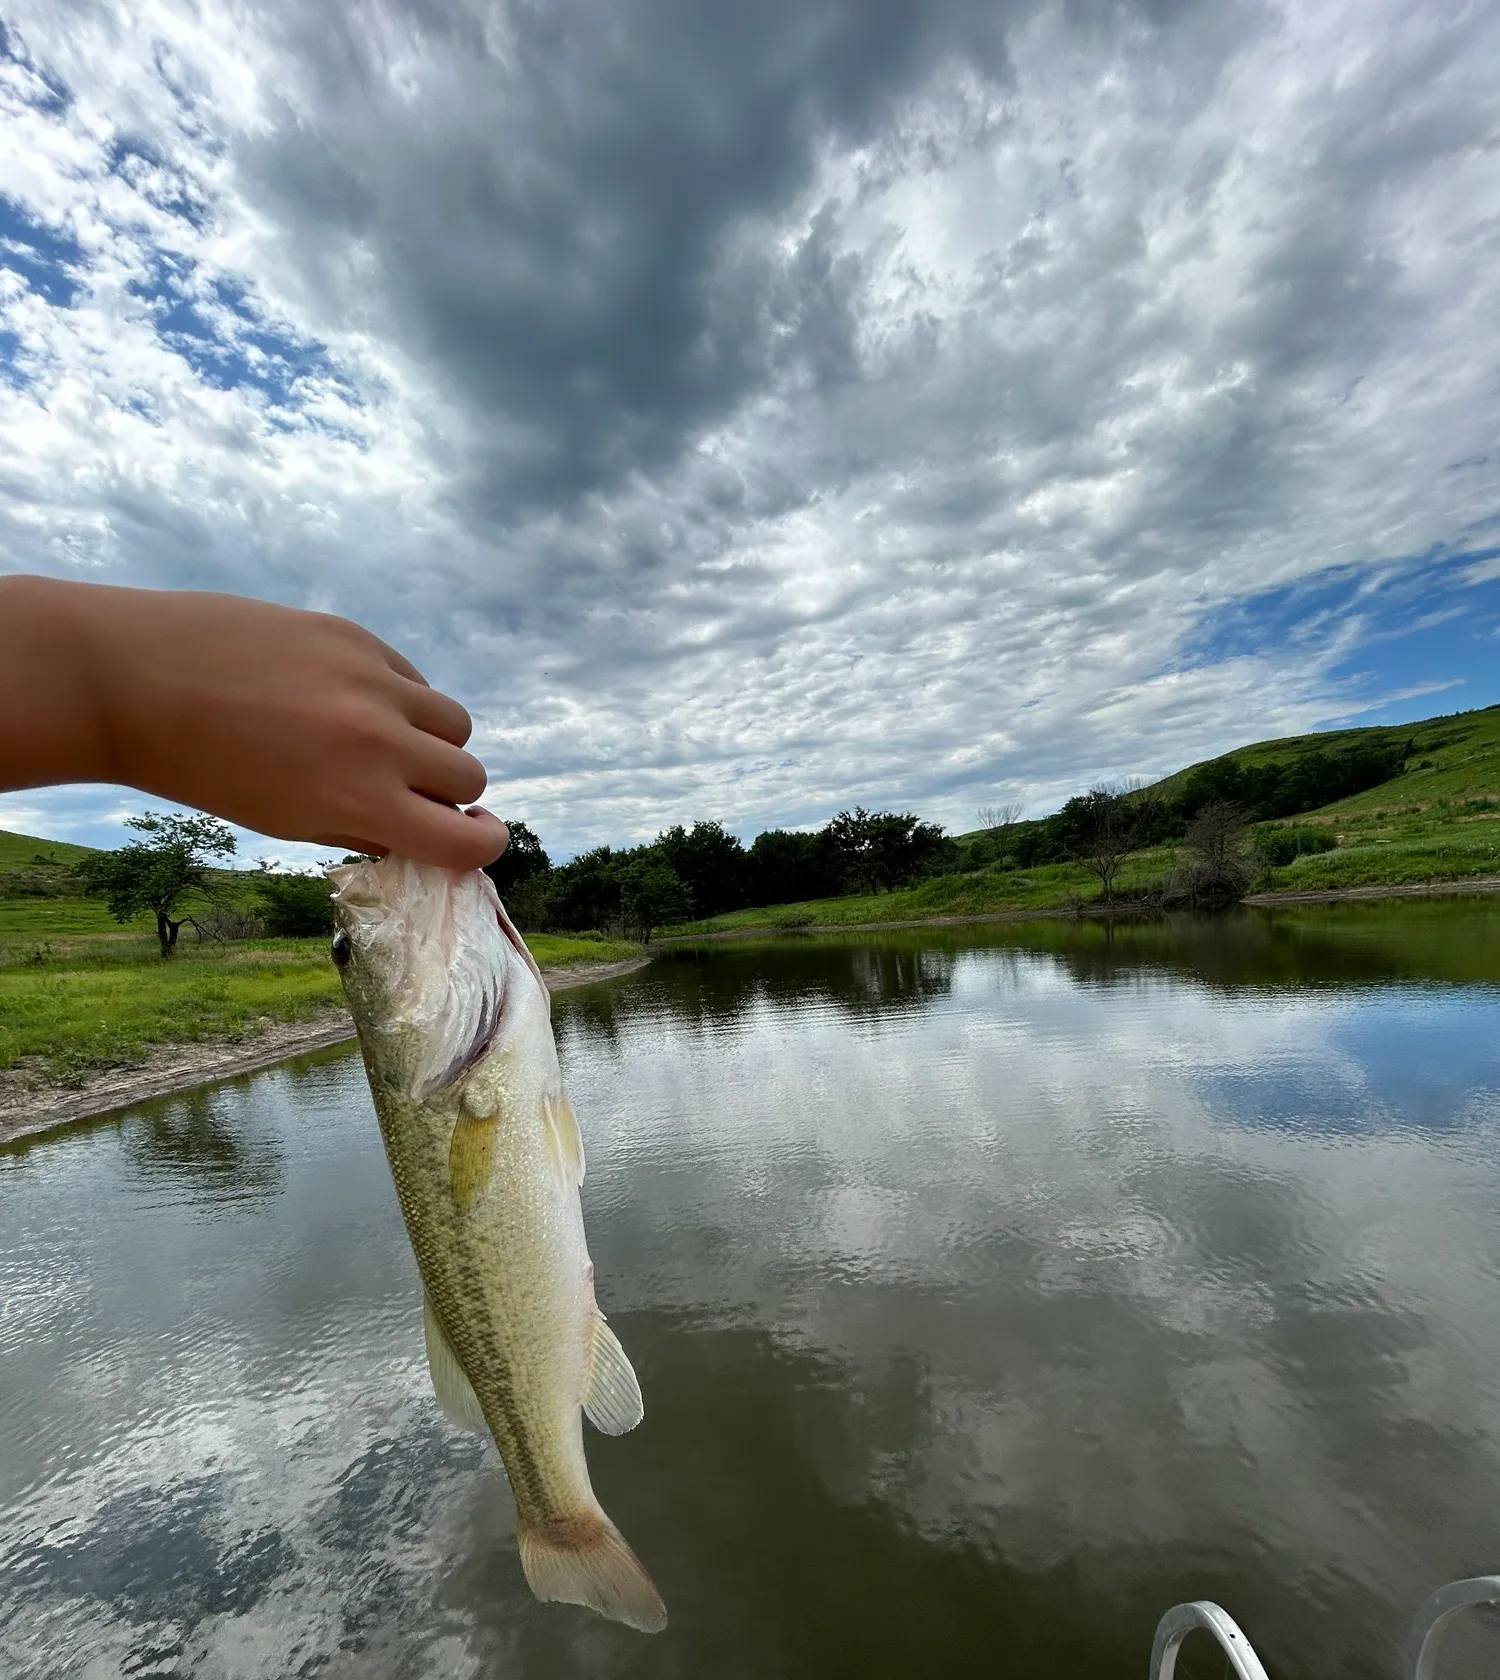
1280, 846
295, 906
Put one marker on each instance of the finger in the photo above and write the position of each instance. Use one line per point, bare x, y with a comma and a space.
443, 772
427, 832
435, 713
350, 843
399, 663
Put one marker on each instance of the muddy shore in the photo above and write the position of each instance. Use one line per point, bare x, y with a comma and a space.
28, 1108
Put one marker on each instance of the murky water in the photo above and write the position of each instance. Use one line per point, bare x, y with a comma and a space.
990, 1291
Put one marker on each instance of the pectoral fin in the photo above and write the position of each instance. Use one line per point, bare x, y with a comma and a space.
612, 1398
471, 1158
455, 1393
563, 1136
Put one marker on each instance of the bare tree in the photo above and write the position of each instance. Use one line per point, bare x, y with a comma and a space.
1106, 827
998, 820
1219, 863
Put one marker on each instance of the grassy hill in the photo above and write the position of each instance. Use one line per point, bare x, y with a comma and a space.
1452, 758
20, 852
1438, 820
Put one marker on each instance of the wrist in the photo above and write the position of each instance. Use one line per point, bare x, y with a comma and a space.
51, 683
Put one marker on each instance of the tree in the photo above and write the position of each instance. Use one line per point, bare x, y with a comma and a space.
652, 895
295, 906
786, 866
998, 820
161, 873
1219, 864
522, 860
709, 862
1102, 827
882, 849
584, 893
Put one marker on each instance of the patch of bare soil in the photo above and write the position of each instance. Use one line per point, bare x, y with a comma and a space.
29, 1105
1353, 895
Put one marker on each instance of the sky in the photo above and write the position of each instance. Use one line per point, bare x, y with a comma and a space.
752, 411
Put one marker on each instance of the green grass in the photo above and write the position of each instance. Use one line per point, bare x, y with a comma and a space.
90, 1004
1437, 821
557, 950
26, 851
72, 1004
1453, 757
1048, 887
58, 918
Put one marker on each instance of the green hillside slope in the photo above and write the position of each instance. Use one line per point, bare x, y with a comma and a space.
1454, 757
27, 851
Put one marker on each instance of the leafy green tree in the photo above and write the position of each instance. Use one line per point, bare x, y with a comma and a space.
295, 906
786, 866
584, 893
883, 849
169, 869
522, 860
652, 895
709, 862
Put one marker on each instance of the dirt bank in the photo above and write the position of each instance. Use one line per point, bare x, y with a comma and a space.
28, 1106
1354, 895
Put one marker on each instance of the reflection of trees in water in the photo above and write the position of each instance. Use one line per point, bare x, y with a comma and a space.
864, 974
1315, 945
187, 1139
708, 986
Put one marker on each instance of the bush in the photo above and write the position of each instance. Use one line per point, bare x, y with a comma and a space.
1280, 846
295, 906
228, 923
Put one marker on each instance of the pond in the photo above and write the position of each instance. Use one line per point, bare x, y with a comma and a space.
991, 1289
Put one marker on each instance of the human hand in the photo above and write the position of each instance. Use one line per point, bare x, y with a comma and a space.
298, 724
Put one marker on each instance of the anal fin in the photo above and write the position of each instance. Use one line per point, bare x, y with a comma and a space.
612, 1398
455, 1393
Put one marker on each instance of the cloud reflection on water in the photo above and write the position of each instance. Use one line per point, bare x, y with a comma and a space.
986, 1295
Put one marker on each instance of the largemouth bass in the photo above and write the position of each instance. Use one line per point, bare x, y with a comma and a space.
454, 1021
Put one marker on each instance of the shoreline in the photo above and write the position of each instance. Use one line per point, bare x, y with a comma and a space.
169, 1069
1474, 886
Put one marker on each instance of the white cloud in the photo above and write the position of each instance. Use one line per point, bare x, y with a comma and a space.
888, 439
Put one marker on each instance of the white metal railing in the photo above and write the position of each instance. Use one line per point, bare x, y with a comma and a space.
1421, 1644
1446, 1602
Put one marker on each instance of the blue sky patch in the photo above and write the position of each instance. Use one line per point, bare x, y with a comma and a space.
46, 258
215, 326
1422, 626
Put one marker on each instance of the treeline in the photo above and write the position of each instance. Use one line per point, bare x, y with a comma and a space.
176, 870
703, 871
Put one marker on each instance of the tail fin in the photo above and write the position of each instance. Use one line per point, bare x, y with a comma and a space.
587, 1561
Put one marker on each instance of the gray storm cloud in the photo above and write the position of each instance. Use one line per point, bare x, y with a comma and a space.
752, 411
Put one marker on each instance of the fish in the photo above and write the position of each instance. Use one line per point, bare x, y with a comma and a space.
454, 1024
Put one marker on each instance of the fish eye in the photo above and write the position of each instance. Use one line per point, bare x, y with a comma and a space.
340, 950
